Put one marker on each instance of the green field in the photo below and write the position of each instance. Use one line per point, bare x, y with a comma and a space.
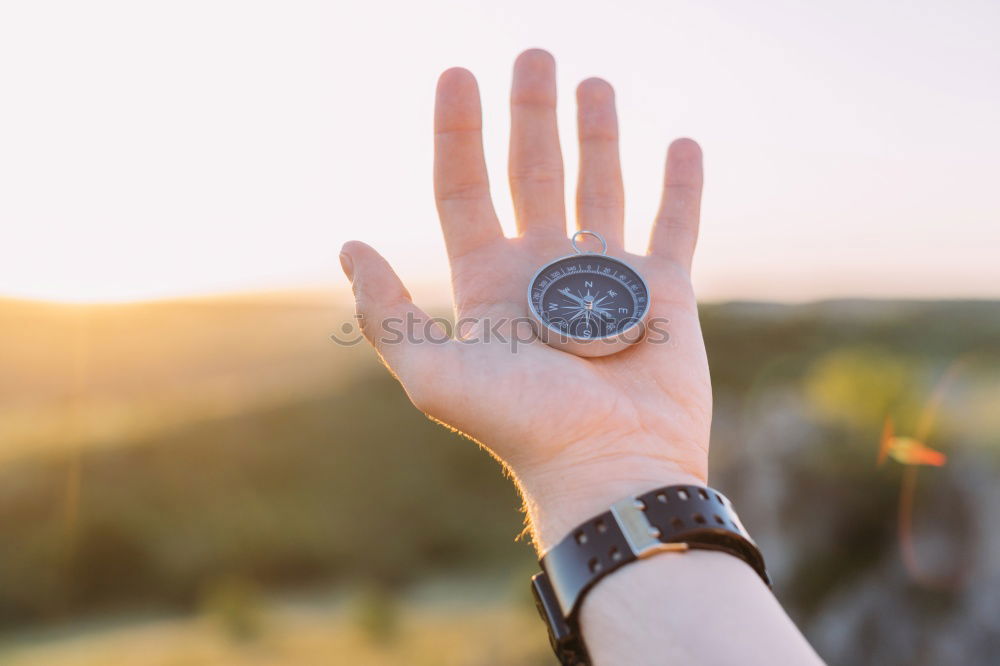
436, 624
179, 479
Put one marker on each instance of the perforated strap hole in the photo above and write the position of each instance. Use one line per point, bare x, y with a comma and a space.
616, 556
601, 527
661, 497
595, 565
581, 537
700, 519
683, 494
719, 519
676, 523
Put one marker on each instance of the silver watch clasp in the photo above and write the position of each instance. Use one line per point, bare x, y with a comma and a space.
642, 536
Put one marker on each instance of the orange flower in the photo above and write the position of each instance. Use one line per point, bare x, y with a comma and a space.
910, 451
907, 450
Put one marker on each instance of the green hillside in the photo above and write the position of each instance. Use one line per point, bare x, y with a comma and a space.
151, 453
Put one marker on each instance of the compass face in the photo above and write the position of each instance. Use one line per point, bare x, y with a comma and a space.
588, 296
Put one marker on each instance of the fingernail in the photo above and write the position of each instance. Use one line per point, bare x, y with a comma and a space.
348, 265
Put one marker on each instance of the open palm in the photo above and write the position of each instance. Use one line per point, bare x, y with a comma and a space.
558, 421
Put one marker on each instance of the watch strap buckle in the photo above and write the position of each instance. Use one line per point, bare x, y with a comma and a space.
642, 536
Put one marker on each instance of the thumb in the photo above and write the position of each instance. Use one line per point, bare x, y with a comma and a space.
414, 346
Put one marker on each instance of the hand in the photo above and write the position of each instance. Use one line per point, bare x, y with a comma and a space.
576, 433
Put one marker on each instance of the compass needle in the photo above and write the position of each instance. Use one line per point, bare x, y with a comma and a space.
592, 300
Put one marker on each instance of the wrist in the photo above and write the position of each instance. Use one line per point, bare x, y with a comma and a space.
561, 496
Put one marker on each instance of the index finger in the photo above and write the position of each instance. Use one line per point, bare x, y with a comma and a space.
461, 185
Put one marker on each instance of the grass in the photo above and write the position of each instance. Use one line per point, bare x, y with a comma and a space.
442, 624
198, 458
86, 376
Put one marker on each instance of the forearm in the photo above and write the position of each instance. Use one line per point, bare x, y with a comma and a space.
579, 433
696, 607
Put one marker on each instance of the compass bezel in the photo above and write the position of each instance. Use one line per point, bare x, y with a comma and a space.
596, 345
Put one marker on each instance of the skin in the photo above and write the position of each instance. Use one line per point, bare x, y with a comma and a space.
634, 416
575, 434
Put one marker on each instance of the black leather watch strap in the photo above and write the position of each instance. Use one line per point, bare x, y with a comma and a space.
675, 518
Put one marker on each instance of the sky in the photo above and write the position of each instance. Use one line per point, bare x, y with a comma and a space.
153, 150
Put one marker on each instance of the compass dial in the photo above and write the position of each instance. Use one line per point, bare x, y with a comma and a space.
588, 296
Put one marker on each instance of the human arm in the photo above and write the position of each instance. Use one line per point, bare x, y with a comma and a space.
576, 434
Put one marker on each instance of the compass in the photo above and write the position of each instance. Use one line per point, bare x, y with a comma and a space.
588, 303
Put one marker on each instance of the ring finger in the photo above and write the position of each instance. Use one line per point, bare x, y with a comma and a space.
600, 195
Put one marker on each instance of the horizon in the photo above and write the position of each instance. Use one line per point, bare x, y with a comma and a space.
329, 294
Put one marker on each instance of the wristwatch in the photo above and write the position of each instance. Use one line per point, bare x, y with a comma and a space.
669, 519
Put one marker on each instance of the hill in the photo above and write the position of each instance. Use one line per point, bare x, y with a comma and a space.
151, 452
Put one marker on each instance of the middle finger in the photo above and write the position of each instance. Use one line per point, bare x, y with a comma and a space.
536, 168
